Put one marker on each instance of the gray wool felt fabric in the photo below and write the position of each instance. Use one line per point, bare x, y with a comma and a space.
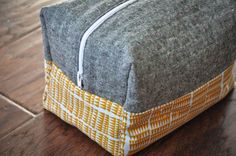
147, 54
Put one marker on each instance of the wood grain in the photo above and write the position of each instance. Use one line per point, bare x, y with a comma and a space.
10, 117
22, 76
212, 133
48, 135
21, 58
19, 17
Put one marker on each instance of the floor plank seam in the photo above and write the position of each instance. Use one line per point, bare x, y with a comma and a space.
17, 128
21, 126
20, 37
17, 105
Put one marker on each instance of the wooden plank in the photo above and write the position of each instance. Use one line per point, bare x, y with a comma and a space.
10, 117
21, 61
48, 135
19, 17
22, 76
213, 133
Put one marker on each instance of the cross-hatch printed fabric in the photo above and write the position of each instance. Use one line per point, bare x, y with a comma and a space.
121, 132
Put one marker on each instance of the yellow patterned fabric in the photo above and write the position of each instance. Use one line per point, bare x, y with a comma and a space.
121, 132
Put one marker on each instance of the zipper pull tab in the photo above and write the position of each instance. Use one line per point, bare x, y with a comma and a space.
79, 80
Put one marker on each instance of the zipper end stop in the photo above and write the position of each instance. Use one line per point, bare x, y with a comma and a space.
79, 80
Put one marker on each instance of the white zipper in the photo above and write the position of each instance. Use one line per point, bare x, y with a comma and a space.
99, 22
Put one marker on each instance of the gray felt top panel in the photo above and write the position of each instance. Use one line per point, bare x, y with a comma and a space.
147, 54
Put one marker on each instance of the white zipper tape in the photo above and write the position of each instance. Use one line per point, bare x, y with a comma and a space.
99, 22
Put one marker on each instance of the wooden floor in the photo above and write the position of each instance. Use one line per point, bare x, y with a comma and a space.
27, 129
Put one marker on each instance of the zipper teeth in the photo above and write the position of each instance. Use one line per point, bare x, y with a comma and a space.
99, 22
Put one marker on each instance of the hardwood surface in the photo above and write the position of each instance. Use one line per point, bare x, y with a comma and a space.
19, 17
21, 61
21, 66
48, 135
11, 117
26, 129
213, 133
